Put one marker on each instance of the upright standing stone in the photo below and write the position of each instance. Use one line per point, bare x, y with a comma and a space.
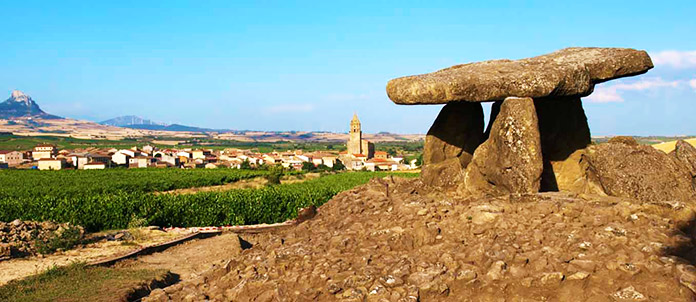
451, 142
510, 161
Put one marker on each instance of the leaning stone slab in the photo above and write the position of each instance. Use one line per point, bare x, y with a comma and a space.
455, 134
510, 161
567, 72
686, 154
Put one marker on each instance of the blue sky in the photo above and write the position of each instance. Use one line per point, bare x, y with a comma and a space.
309, 65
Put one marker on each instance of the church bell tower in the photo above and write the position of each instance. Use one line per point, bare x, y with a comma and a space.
354, 142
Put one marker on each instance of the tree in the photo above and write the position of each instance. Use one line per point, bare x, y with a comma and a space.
338, 165
275, 172
308, 166
245, 165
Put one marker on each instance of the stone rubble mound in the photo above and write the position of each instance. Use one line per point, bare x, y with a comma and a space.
400, 240
20, 238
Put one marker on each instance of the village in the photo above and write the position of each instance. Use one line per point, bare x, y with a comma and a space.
360, 155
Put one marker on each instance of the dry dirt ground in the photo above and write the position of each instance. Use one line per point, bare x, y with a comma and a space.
22, 267
191, 258
396, 240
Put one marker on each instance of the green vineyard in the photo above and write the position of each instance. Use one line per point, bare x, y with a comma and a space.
98, 203
33, 183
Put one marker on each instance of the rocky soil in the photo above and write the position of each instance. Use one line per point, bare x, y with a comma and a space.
398, 240
20, 238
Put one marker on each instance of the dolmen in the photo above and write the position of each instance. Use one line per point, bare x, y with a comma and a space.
538, 138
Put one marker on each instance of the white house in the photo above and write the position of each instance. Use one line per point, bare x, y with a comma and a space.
120, 158
51, 163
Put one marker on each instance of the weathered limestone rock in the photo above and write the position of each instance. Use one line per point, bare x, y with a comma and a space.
564, 130
567, 72
686, 154
624, 169
510, 161
455, 134
445, 174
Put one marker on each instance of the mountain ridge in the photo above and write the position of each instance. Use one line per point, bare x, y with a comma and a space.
128, 120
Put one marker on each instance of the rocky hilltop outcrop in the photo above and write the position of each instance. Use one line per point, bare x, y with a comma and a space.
22, 105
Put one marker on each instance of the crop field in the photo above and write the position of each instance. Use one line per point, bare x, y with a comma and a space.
99, 202
35, 184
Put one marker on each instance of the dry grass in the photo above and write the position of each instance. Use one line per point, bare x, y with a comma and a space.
79, 283
668, 147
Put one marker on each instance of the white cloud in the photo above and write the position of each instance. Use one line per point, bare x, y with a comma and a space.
674, 58
291, 108
692, 83
612, 93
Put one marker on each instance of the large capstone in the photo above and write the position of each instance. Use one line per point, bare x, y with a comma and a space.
510, 161
451, 142
567, 72
627, 169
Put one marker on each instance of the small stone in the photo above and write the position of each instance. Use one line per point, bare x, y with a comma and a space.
630, 294
496, 270
578, 276
466, 275
629, 268
552, 278
391, 281
422, 212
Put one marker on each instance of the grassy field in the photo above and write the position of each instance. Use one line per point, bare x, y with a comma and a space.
78, 283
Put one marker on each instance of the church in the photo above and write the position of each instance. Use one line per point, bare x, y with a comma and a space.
356, 145
358, 150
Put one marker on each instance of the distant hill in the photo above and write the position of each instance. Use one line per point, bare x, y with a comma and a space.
130, 120
21, 105
136, 122
172, 127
